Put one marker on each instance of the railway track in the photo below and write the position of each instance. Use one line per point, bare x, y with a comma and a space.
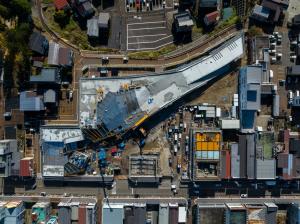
188, 53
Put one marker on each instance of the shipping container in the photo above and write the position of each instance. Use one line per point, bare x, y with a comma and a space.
163, 215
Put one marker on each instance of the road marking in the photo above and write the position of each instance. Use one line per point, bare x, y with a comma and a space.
150, 28
129, 24
149, 42
150, 35
155, 48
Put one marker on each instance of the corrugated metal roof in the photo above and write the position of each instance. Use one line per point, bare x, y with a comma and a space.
265, 169
50, 96
38, 43
53, 53
103, 20
230, 124
30, 102
47, 75
92, 27
235, 160
112, 214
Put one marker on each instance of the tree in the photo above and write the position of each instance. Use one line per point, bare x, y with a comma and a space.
61, 18
21, 8
255, 31
4, 12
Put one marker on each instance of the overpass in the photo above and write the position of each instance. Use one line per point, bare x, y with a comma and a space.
112, 106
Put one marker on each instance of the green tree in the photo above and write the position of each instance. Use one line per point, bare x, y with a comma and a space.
21, 8
61, 18
4, 12
255, 31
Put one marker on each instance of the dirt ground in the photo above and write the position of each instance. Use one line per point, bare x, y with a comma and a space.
220, 93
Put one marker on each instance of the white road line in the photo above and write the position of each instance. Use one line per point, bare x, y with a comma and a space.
149, 28
153, 35
148, 42
154, 48
145, 23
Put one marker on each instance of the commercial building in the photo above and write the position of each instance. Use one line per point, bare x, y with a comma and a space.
250, 79
210, 213
240, 6
183, 22
9, 158
156, 211
261, 13
205, 148
126, 103
27, 167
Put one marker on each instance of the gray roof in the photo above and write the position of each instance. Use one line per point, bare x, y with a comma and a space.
265, 169
293, 70
250, 91
48, 75
209, 3
50, 96
235, 160
92, 27
30, 102
296, 101
53, 53
38, 43
103, 19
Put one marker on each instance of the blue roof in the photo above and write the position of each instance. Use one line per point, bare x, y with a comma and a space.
47, 75
30, 102
261, 11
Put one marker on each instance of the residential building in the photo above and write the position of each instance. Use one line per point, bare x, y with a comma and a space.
9, 158
93, 28
61, 5
276, 8
296, 20
50, 96
47, 75
183, 22
15, 212
293, 71
209, 3
84, 8
261, 13
211, 18
60, 56
247, 152
29, 101
38, 43
40, 212
103, 20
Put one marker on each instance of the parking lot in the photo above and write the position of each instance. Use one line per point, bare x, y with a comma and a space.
147, 5
148, 33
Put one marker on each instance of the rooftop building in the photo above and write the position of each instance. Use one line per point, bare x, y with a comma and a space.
38, 43
9, 158
59, 56
249, 96
93, 28
183, 22
47, 75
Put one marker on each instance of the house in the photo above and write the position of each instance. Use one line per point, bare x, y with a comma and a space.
48, 75
9, 158
60, 56
61, 5
93, 28
209, 3
103, 20
183, 22
211, 18
38, 43
29, 101
84, 8
50, 96
296, 20
276, 9
260, 13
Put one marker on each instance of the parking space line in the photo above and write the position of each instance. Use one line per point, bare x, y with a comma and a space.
153, 48
148, 42
145, 23
150, 35
149, 28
